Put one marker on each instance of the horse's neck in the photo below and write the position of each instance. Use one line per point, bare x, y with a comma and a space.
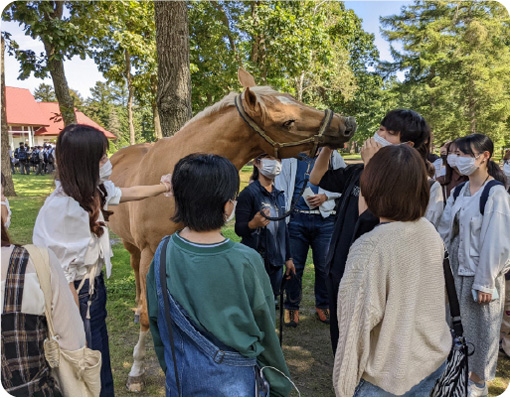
223, 133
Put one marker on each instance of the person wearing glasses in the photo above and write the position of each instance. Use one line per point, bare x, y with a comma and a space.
475, 226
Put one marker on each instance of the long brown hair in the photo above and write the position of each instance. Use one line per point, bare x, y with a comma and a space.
6, 240
78, 153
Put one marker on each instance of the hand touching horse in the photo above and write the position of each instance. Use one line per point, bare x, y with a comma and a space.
239, 127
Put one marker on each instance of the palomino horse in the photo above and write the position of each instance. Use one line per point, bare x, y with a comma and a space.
239, 127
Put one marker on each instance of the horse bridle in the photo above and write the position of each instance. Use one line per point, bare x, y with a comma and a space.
317, 139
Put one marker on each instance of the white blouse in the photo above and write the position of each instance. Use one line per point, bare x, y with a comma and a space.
66, 316
62, 225
7, 222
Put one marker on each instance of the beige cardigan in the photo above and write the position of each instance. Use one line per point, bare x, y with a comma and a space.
391, 309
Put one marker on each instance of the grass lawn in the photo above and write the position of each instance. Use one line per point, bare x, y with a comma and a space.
307, 348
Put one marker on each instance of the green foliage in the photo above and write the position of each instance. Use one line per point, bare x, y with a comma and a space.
39, 19
457, 61
45, 93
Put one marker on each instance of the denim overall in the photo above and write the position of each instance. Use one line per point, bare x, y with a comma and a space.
205, 369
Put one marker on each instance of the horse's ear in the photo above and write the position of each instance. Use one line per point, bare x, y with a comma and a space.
250, 100
245, 78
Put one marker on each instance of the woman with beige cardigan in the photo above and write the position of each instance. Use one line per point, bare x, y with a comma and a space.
394, 338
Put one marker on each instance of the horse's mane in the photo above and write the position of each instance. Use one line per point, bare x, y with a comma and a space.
228, 100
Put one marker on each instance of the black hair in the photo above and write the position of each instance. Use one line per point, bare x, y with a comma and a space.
481, 143
78, 153
202, 185
255, 173
411, 126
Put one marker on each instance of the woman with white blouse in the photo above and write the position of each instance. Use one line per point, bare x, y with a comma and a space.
479, 247
72, 223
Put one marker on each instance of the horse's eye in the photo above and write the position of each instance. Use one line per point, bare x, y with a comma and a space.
288, 123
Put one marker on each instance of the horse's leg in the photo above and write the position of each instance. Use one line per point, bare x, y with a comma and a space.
135, 264
135, 379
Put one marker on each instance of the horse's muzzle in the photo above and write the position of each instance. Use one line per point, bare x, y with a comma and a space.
350, 126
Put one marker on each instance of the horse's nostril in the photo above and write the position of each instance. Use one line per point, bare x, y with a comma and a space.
350, 126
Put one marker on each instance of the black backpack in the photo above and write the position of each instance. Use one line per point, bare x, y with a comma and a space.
483, 197
22, 154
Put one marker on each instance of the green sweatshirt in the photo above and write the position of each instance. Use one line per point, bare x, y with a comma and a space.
226, 291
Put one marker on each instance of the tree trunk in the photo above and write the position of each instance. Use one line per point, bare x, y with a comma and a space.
56, 68
300, 82
224, 19
174, 77
6, 160
158, 133
131, 94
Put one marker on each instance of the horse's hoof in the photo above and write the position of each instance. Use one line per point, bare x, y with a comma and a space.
137, 318
135, 383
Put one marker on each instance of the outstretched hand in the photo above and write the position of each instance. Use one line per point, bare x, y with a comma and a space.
166, 180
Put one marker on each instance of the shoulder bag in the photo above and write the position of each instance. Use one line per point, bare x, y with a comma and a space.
454, 380
78, 372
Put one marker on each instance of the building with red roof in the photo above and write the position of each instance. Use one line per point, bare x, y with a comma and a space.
36, 123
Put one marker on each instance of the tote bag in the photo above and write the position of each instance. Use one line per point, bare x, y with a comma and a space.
78, 372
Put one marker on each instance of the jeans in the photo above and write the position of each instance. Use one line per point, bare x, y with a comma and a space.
40, 169
422, 389
275, 277
205, 368
95, 328
309, 230
24, 166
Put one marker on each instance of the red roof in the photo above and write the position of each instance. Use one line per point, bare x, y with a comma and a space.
55, 123
22, 109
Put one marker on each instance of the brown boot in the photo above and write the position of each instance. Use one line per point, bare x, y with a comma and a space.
322, 315
291, 318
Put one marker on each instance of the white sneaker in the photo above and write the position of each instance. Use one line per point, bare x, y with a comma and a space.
475, 391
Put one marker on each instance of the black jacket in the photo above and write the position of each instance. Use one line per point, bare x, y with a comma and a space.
349, 225
272, 243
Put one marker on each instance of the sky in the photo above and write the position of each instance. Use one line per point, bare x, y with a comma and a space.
83, 74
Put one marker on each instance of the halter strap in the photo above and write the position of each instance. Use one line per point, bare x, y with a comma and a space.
317, 139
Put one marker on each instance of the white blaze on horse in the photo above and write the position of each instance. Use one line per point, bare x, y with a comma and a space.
239, 127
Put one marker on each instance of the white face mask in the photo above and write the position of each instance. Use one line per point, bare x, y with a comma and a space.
466, 165
381, 140
229, 218
105, 171
506, 169
452, 160
270, 168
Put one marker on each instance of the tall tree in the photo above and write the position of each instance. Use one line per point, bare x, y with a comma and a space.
61, 38
457, 61
6, 160
174, 79
45, 93
122, 43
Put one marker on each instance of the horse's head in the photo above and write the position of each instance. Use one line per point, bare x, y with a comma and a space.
286, 125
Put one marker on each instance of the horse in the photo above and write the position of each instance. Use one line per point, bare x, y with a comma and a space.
239, 127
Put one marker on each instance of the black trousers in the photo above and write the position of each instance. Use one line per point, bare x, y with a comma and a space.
333, 283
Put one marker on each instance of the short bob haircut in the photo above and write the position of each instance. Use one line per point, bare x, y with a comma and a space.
394, 184
202, 184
